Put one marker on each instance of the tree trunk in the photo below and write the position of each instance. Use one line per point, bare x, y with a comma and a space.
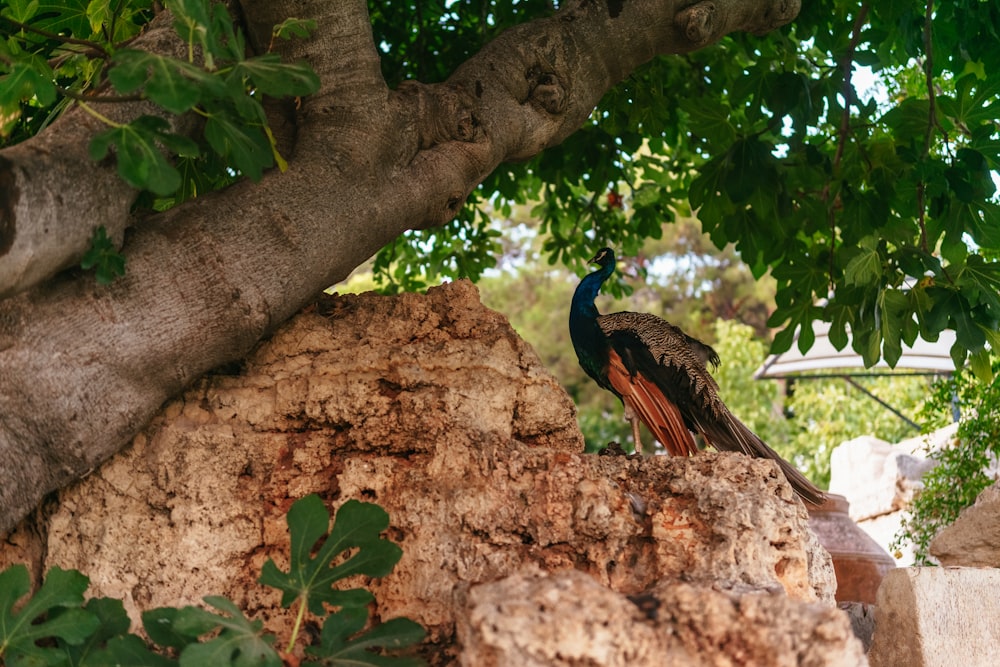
84, 366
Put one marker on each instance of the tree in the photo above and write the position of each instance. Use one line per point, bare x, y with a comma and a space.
86, 365
416, 105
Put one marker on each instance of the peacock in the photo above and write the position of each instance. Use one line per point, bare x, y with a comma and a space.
661, 376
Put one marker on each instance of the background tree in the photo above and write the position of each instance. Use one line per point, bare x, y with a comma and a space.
412, 107
714, 297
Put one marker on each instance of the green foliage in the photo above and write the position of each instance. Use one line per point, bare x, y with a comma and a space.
55, 627
874, 211
820, 414
103, 257
310, 578
884, 199
824, 413
60, 53
40, 618
962, 467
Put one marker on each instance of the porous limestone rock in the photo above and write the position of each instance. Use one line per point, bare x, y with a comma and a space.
973, 540
433, 407
933, 616
536, 619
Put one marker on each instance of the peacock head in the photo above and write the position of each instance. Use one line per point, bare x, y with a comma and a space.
605, 257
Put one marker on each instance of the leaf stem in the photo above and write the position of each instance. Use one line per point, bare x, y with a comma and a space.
298, 624
98, 115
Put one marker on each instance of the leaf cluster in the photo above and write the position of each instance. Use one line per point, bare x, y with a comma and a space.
81, 52
55, 626
76, 50
962, 468
875, 211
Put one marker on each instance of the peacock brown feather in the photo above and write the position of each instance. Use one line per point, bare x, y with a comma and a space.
661, 376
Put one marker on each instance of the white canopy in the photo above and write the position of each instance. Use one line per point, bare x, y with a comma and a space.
923, 357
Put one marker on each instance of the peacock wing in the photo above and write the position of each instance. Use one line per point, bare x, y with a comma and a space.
647, 401
675, 365
662, 373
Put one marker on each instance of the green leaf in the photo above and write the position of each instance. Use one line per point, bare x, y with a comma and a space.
245, 145
114, 622
710, 118
893, 314
292, 27
357, 525
979, 281
27, 79
173, 84
99, 12
21, 11
193, 23
273, 77
865, 267
981, 365
140, 162
749, 169
238, 643
53, 612
104, 257
159, 625
968, 334
127, 651
64, 17
909, 119
338, 648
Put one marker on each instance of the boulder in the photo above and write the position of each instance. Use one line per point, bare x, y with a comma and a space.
538, 619
973, 540
433, 407
876, 477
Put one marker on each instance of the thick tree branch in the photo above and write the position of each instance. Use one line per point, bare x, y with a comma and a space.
539, 82
85, 367
54, 195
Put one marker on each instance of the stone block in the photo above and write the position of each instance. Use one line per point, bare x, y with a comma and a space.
937, 616
875, 476
973, 540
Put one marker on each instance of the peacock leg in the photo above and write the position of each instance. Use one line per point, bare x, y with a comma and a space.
634, 421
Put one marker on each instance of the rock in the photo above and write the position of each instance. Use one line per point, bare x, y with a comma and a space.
876, 477
862, 617
973, 540
536, 619
932, 616
433, 407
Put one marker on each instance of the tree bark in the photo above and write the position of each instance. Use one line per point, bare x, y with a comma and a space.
84, 366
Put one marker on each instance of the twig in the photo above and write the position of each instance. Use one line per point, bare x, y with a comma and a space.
59, 38
931, 120
99, 99
844, 131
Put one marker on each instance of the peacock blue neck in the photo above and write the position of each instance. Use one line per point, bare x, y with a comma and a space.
587, 291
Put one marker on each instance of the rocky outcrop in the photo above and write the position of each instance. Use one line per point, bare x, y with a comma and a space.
434, 408
537, 619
